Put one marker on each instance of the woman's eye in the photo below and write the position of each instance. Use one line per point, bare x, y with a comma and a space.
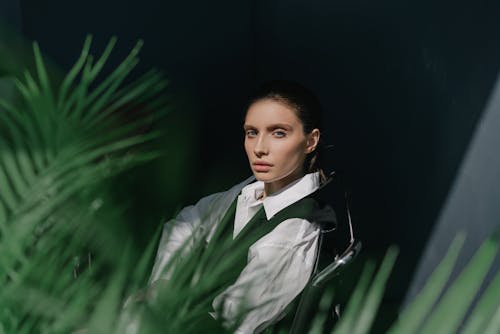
251, 133
279, 133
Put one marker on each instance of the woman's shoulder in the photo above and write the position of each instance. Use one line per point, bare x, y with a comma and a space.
211, 207
221, 199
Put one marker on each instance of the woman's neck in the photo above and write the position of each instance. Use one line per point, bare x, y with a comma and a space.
275, 186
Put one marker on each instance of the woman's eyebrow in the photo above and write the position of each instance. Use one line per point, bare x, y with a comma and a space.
248, 126
279, 126
269, 127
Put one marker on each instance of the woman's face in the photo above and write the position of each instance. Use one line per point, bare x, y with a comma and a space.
275, 143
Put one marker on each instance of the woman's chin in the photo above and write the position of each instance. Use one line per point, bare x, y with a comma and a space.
264, 177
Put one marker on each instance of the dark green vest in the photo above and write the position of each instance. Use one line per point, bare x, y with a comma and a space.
311, 208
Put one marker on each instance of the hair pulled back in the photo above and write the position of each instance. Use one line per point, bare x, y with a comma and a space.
307, 108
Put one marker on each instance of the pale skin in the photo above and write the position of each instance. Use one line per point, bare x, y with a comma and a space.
276, 144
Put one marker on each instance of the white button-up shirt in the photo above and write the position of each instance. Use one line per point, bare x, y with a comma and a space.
279, 264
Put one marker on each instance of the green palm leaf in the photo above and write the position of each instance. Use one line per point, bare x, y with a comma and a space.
59, 145
411, 319
449, 313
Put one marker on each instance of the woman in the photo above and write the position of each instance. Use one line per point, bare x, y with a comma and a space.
276, 207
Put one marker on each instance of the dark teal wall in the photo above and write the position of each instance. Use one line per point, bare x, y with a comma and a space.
403, 85
472, 203
10, 12
205, 50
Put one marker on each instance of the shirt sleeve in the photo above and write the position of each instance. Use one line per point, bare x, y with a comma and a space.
189, 226
279, 266
183, 232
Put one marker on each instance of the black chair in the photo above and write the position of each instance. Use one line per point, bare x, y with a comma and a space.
329, 264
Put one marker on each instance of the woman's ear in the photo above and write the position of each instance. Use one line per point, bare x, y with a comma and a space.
312, 140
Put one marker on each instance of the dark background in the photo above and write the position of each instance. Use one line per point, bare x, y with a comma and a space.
403, 85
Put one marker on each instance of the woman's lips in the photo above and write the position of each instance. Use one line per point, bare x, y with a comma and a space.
261, 166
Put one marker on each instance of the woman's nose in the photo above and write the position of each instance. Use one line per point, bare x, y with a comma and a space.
260, 147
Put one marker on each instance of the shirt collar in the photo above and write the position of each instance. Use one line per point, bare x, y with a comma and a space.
276, 202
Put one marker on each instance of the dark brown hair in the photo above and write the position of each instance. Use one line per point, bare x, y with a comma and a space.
307, 108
